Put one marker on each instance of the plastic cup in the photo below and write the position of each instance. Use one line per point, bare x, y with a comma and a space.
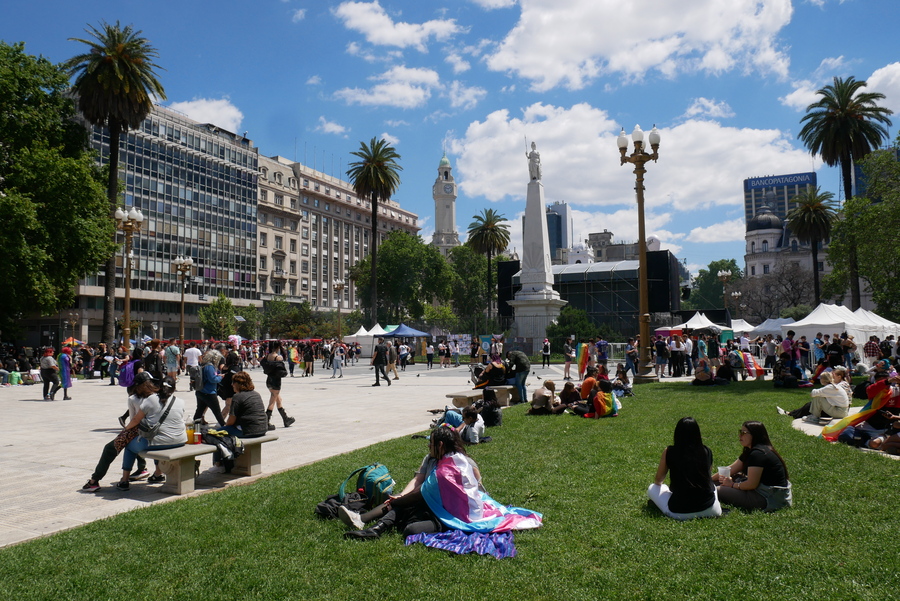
724, 472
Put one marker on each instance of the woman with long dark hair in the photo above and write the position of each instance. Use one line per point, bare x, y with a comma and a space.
759, 477
273, 382
688, 462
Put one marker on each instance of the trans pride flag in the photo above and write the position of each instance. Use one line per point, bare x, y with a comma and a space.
881, 396
455, 497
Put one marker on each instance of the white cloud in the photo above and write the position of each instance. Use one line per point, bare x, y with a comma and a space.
886, 80
492, 4
465, 97
701, 166
314, 80
458, 63
396, 122
392, 140
371, 20
705, 107
330, 127
571, 42
803, 95
727, 231
209, 110
401, 87
298, 15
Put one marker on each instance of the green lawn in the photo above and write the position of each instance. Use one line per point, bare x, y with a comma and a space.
599, 540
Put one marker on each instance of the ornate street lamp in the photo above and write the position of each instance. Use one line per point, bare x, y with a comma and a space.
72, 321
725, 277
183, 267
129, 223
339, 286
639, 158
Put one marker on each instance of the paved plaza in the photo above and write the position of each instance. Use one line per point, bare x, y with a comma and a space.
50, 448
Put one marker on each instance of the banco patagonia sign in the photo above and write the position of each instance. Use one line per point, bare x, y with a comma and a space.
774, 181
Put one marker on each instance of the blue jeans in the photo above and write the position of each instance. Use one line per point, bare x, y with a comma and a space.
519, 383
139, 445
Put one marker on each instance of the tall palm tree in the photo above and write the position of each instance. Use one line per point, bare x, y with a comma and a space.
376, 177
811, 222
115, 82
489, 234
843, 126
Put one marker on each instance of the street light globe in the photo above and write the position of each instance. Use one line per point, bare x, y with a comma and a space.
622, 140
177, 261
120, 215
653, 137
188, 261
637, 135
725, 273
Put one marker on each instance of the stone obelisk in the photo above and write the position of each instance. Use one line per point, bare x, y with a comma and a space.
537, 304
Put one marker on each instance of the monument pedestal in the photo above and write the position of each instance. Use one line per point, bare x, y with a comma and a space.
533, 316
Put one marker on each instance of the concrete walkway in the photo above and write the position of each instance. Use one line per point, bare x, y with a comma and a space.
49, 448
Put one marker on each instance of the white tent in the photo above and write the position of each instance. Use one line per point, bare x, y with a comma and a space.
886, 326
770, 326
699, 321
360, 333
831, 319
376, 330
740, 326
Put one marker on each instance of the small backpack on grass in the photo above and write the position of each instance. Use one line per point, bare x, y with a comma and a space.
373, 487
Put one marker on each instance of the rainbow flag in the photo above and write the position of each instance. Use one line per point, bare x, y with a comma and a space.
294, 356
752, 366
582, 355
455, 497
879, 399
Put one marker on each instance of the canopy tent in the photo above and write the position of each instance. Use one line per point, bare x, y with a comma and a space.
887, 326
699, 321
355, 337
404, 331
770, 326
831, 319
376, 330
740, 326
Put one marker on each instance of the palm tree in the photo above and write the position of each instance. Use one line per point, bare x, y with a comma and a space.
115, 83
489, 234
375, 176
811, 222
843, 126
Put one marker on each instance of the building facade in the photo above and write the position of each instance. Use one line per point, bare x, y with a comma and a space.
444, 192
783, 189
560, 230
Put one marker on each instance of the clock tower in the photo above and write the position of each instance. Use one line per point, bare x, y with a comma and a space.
444, 194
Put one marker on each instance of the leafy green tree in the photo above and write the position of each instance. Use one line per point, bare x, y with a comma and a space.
489, 234
411, 274
249, 328
115, 84
571, 322
441, 316
798, 312
811, 222
469, 295
280, 317
376, 177
217, 318
706, 291
843, 126
53, 224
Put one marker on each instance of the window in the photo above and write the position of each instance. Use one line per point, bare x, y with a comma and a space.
278, 265
293, 225
820, 266
306, 183
304, 267
279, 242
293, 245
305, 233
263, 238
264, 173
752, 247
765, 247
262, 218
293, 203
262, 262
277, 287
279, 200
293, 265
293, 286
753, 270
765, 269
304, 284
316, 200
305, 250
327, 206
264, 195
278, 177
278, 221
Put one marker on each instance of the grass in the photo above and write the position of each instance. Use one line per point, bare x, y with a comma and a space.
600, 540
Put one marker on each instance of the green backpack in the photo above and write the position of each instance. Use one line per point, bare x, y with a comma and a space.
374, 481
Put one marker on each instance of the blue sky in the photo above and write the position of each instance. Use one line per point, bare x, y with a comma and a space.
725, 81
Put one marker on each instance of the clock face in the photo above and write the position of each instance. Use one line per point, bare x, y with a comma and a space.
448, 188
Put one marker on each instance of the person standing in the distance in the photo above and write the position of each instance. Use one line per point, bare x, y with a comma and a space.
173, 356
429, 355
631, 356
379, 362
454, 352
192, 362
545, 353
275, 372
569, 352
49, 374
65, 371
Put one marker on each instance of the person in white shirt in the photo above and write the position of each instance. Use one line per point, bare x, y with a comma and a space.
192, 361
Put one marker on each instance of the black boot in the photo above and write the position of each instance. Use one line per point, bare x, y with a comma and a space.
374, 532
284, 416
269, 418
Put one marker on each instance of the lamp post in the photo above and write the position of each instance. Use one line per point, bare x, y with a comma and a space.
129, 223
724, 277
339, 286
736, 298
72, 321
183, 267
639, 159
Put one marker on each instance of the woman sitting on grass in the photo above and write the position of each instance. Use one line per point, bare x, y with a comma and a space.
445, 494
759, 477
568, 397
688, 462
831, 400
703, 374
543, 399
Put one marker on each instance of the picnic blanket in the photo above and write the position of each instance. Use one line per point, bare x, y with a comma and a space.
497, 544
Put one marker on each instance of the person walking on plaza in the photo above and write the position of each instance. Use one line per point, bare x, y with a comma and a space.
192, 362
337, 361
871, 351
173, 357
393, 356
379, 361
429, 355
520, 367
65, 371
275, 371
454, 352
49, 374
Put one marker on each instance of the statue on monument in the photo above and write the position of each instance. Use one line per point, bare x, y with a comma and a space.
534, 162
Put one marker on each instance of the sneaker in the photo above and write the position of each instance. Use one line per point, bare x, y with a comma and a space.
781, 411
91, 486
351, 518
156, 479
123, 486
138, 476
216, 469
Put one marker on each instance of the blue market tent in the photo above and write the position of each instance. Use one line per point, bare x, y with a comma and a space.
404, 331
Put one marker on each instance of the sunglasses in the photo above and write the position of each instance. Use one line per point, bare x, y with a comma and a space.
742, 432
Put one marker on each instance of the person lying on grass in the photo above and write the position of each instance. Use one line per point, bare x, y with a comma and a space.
759, 477
688, 462
446, 494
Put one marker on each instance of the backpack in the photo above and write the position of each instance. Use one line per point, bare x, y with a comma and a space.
126, 374
374, 482
196, 374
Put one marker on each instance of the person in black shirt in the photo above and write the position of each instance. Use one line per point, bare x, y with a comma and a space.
688, 463
759, 477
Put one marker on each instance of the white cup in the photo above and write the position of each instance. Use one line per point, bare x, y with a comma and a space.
724, 472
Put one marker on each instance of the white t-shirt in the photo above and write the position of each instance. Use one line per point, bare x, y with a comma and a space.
172, 430
192, 356
745, 343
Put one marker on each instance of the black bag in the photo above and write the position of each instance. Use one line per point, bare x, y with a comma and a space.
859, 391
328, 509
490, 409
855, 437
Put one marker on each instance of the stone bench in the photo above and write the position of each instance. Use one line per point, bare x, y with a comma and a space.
467, 397
178, 464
